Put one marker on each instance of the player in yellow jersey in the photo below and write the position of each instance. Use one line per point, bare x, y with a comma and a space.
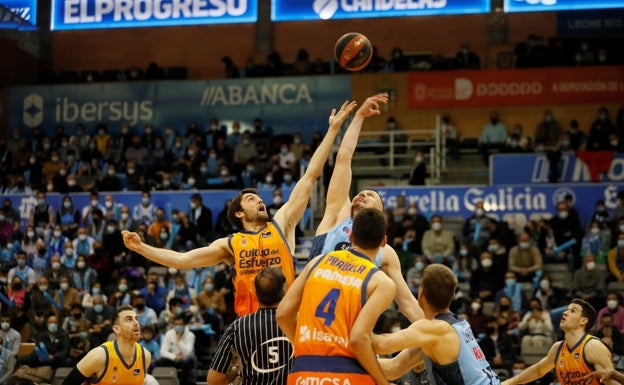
576, 356
331, 308
121, 361
262, 241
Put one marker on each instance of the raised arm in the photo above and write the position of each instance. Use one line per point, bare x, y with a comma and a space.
537, 370
404, 297
292, 211
218, 251
379, 296
337, 203
289, 305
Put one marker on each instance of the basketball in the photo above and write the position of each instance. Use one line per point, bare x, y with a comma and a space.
353, 51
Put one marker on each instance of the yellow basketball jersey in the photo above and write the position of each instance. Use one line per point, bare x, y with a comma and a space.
117, 371
253, 251
571, 364
334, 294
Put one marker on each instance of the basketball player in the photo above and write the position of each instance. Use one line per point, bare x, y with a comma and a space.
451, 353
262, 241
577, 355
121, 361
333, 231
330, 311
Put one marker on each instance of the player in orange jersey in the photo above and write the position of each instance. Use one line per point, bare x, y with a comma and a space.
330, 311
576, 356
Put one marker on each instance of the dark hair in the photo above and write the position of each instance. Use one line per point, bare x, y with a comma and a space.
197, 197
587, 311
121, 308
175, 301
369, 228
236, 206
269, 285
438, 286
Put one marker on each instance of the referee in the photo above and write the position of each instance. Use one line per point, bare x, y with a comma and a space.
264, 351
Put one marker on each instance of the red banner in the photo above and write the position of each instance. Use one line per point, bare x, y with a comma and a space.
482, 88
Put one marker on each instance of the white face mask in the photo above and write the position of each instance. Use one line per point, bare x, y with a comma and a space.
475, 306
436, 226
612, 304
591, 265
544, 285
486, 262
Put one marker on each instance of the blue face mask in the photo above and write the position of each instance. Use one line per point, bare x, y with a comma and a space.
179, 329
510, 281
52, 328
98, 308
83, 335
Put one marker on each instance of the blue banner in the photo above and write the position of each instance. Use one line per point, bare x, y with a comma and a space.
590, 22
90, 14
168, 200
26, 9
289, 104
504, 202
535, 168
559, 5
289, 10
514, 203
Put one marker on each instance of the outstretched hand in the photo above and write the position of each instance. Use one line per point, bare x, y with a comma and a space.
603, 375
337, 118
131, 240
370, 106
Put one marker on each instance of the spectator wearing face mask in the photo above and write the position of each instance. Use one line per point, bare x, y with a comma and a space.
609, 333
287, 159
484, 281
536, 327
438, 244
100, 316
588, 282
616, 260
54, 272
513, 290
525, 259
476, 318
614, 309
418, 173
23, 271
414, 274
600, 130
595, 243
565, 228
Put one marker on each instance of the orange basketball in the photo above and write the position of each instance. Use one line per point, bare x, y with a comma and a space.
353, 51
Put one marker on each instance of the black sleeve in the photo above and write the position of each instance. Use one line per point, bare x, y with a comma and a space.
74, 378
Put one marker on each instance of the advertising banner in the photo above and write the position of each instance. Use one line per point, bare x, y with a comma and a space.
558, 5
289, 10
590, 22
26, 9
102, 14
167, 200
518, 201
286, 104
515, 87
535, 168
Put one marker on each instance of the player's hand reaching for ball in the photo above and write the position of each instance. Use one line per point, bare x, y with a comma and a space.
337, 118
371, 105
131, 240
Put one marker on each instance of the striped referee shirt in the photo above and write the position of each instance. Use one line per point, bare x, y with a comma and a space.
265, 353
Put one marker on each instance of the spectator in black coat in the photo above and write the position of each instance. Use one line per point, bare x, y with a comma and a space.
201, 216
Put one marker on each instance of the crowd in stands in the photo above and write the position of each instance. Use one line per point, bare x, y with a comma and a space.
67, 270
533, 52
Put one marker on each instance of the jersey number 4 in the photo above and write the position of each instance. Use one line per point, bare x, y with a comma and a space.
327, 307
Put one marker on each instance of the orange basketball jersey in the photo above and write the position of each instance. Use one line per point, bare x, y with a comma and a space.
253, 251
334, 294
117, 371
571, 364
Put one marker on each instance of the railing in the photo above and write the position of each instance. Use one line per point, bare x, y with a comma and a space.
381, 153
